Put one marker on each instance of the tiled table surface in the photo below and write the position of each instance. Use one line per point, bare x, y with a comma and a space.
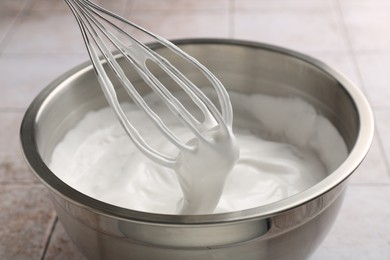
39, 40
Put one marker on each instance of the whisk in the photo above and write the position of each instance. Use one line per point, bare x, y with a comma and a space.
99, 31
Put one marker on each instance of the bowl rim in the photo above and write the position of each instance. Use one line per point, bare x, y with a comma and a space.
57, 186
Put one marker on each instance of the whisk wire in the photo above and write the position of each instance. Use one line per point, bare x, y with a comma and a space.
127, 84
220, 90
172, 71
137, 53
110, 93
174, 105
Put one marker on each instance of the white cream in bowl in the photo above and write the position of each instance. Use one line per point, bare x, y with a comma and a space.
285, 148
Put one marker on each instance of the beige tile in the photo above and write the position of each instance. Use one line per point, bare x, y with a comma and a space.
61, 247
6, 21
60, 5
367, 3
49, 6
44, 33
250, 5
9, 11
379, 96
13, 168
383, 129
368, 25
117, 6
26, 75
306, 29
375, 70
12, 7
179, 5
373, 169
25, 218
171, 24
362, 229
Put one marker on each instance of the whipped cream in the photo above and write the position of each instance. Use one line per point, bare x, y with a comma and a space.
285, 148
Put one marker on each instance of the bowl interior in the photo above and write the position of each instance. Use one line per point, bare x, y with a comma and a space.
245, 70
242, 67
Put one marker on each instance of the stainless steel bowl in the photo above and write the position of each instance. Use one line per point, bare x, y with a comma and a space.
288, 229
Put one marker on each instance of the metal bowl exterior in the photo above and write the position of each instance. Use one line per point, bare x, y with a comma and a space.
293, 234
287, 229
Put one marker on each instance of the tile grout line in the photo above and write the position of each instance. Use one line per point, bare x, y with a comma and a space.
347, 39
12, 109
232, 13
47, 243
17, 183
381, 108
126, 8
382, 150
352, 53
377, 185
22, 13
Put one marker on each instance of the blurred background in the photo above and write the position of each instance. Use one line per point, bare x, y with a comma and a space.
39, 40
